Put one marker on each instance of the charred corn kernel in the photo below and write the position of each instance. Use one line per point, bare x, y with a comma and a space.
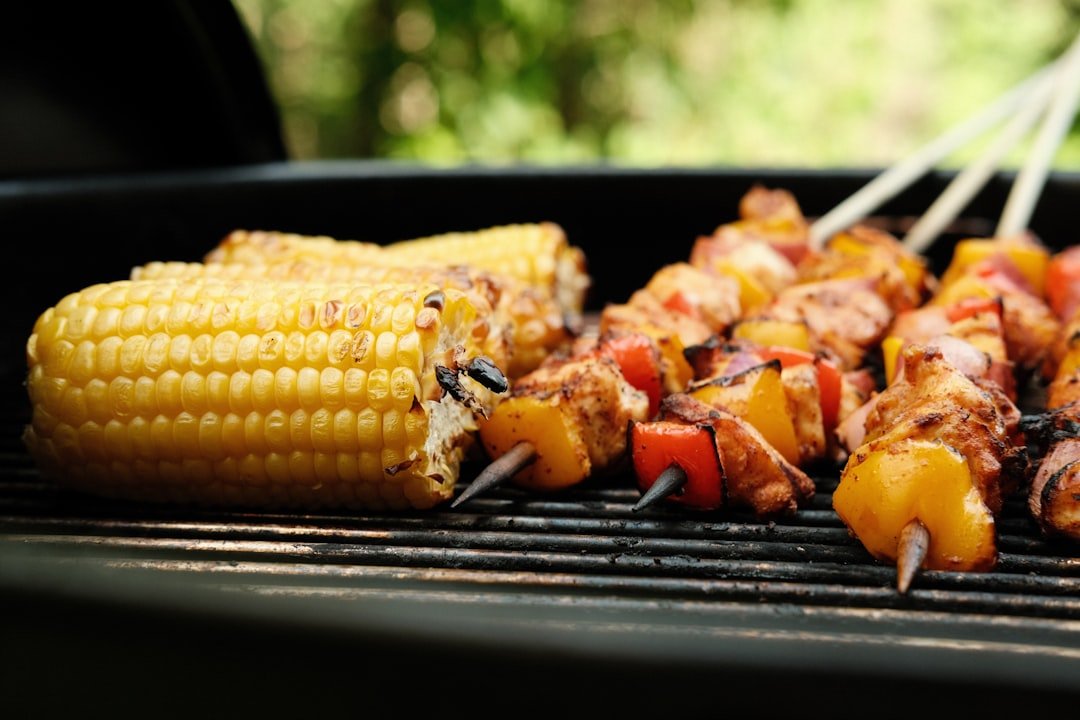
883, 489
1030, 259
252, 385
525, 326
764, 332
536, 256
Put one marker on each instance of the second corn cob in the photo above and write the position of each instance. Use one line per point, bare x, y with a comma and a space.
528, 323
536, 254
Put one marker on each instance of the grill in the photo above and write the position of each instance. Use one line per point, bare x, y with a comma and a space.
521, 598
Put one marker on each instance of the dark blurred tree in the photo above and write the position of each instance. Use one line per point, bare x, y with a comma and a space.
794, 82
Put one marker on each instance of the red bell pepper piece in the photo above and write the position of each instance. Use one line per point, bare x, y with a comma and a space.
639, 362
654, 446
1063, 283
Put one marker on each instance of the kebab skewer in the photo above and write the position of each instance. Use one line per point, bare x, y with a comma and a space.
758, 410
896, 481
933, 456
1055, 488
807, 406
646, 337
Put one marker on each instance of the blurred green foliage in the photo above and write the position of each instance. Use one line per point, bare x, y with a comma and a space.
646, 82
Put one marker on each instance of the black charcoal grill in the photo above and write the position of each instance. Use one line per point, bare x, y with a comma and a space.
515, 600
514, 603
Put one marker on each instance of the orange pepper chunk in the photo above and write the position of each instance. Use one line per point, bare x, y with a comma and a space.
884, 488
757, 396
1030, 259
765, 332
562, 457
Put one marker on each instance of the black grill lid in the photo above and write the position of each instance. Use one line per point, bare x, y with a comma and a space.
108, 87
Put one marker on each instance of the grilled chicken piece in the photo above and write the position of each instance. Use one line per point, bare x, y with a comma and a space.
1030, 329
686, 289
732, 251
845, 317
870, 253
771, 219
804, 406
645, 309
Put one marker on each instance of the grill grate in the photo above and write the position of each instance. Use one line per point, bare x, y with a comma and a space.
584, 542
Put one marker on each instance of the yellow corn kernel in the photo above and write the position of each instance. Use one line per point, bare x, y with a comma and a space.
205, 409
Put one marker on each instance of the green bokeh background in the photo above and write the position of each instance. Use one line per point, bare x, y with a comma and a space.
787, 83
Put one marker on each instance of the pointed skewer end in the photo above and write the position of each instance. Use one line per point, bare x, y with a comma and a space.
669, 482
911, 552
499, 471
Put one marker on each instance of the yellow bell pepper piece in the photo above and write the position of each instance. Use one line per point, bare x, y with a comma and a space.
890, 354
1030, 260
562, 458
752, 294
766, 332
882, 490
963, 288
760, 401
846, 244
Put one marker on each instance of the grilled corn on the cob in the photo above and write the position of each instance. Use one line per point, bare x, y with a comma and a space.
256, 393
536, 254
528, 323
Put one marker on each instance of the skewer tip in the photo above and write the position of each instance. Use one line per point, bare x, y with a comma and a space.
668, 483
911, 552
499, 471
